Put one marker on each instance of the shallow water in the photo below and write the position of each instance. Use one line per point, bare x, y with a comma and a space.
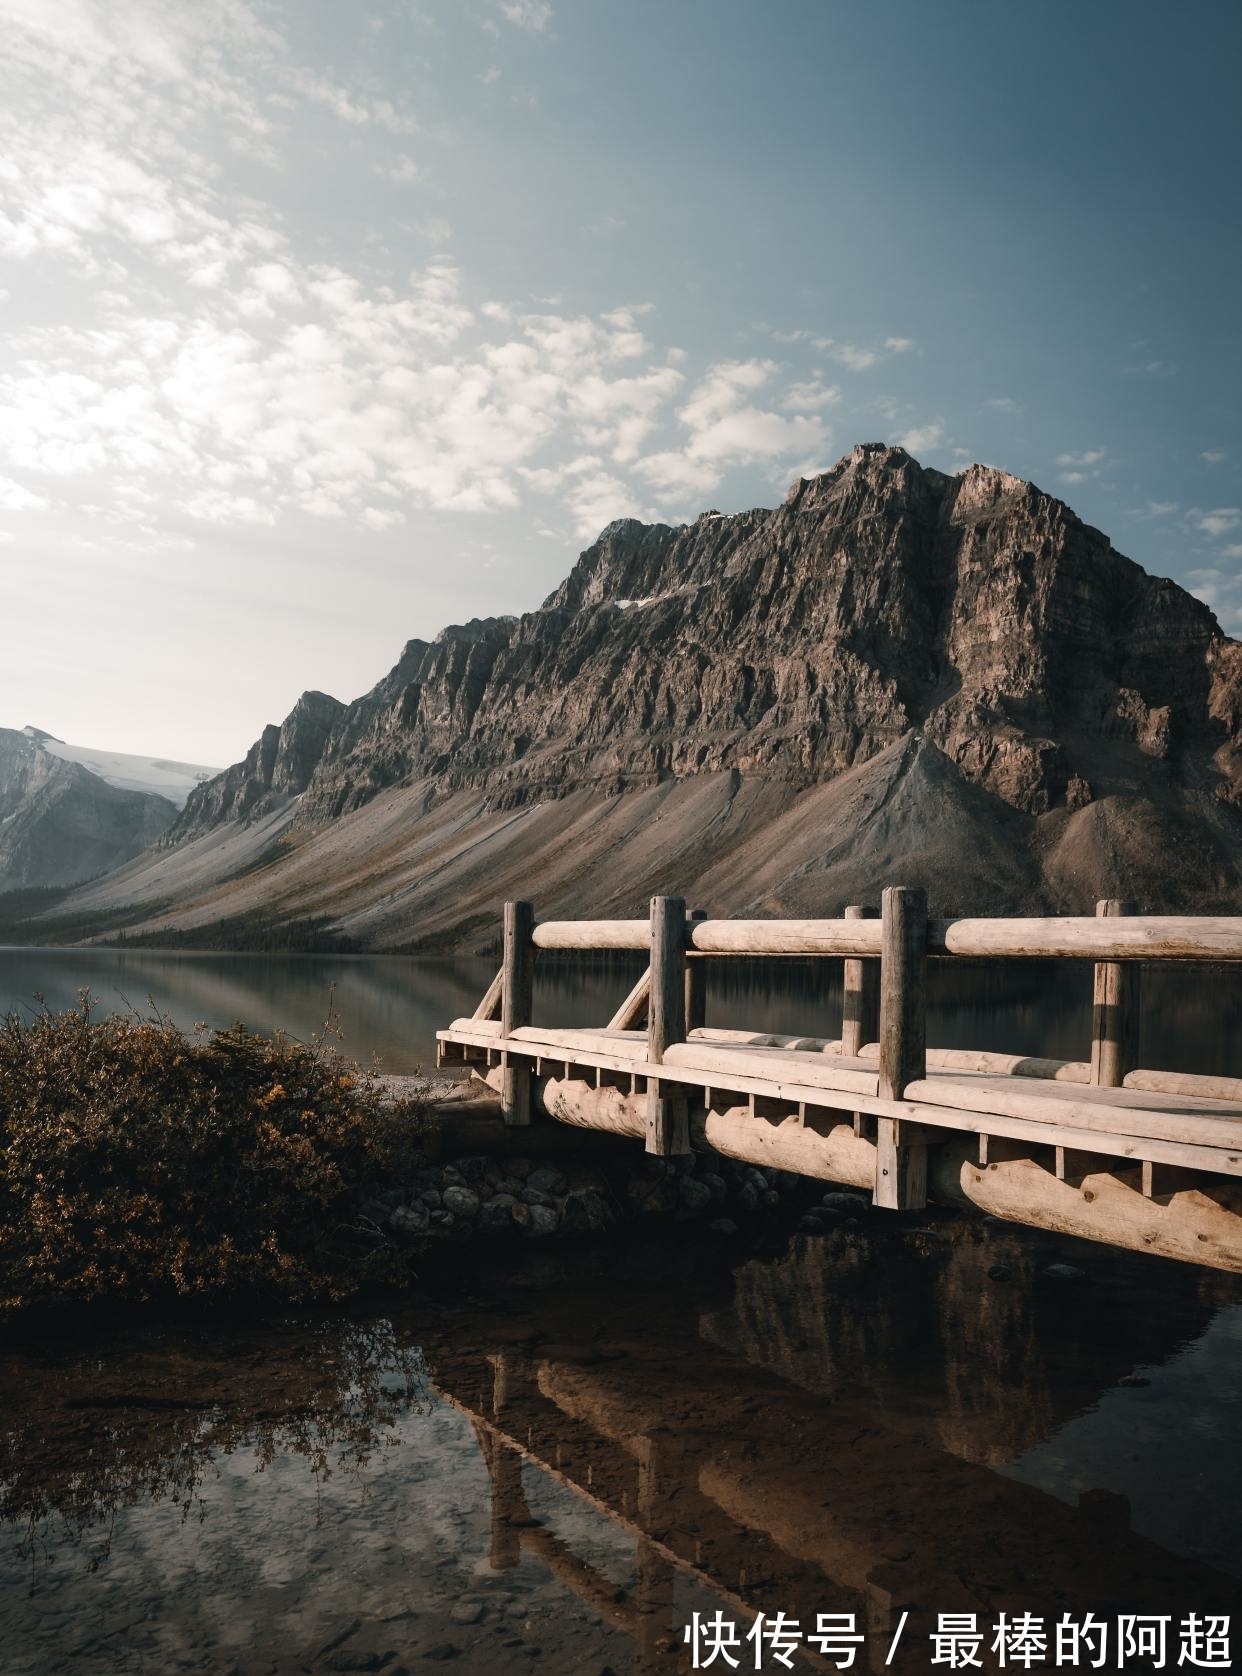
551, 1462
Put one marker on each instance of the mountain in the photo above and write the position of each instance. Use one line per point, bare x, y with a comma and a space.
896, 675
171, 780
60, 823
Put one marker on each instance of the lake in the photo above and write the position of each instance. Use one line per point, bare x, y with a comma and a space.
390, 1006
550, 1463
550, 1460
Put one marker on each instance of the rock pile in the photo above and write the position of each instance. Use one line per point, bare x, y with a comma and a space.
511, 1198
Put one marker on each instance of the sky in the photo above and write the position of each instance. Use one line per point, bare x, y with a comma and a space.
322, 326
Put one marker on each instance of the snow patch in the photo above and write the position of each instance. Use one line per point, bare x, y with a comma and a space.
173, 780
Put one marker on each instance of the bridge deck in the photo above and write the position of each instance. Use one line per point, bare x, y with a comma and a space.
1185, 1131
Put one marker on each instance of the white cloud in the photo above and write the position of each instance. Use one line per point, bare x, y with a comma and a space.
1091, 457
216, 506
1156, 509
534, 15
809, 396
381, 517
229, 371
849, 355
856, 357
923, 436
1005, 404
353, 108
1213, 456
15, 497
1219, 521
597, 499
727, 429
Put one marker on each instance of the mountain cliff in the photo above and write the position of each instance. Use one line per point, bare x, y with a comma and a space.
60, 824
895, 674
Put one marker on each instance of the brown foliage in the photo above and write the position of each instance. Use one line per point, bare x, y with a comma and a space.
139, 1163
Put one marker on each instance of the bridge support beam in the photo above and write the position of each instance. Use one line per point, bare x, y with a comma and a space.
517, 991
901, 1176
1115, 1013
667, 1135
1194, 1219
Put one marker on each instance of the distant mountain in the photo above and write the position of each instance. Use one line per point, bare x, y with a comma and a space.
60, 823
173, 780
895, 676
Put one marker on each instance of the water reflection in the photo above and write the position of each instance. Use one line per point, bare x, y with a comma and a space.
559, 1470
391, 1006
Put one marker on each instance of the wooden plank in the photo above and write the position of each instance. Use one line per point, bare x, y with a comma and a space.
860, 1021
517, 1005
593, 934
786, 936
1142, 937
1198, 1122
632, 1010
489, 1006
668, 1134
1115, 1012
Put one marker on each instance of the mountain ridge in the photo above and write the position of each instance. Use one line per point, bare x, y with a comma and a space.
60, 823
999, 668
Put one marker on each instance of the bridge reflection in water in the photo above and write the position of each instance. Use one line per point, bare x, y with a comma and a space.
866, 1423
827, 1439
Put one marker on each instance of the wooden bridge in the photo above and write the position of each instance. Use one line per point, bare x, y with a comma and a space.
1102, 1149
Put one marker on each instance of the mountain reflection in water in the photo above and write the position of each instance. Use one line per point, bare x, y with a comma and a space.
392, 1005
555, 1473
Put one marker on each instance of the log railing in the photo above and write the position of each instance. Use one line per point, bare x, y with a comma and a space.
885, 1004
1140, 937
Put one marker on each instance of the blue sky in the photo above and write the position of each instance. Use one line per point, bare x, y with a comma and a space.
324, 326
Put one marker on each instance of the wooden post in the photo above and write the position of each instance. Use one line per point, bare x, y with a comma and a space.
517, 1001
901, 1166
668, 1128
696, 983
861, 1011
1115, 1014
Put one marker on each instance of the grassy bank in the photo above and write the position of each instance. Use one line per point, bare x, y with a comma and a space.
140, 1164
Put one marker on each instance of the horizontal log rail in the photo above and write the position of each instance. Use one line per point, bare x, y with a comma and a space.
1145, 937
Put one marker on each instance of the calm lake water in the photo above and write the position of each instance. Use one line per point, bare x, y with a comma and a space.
549, 1460
549, 1464
390, 1006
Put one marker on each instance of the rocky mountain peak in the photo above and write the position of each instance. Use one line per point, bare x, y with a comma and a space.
880, 600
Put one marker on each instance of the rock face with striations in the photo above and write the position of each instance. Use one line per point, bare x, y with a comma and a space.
277, 767
880, 599
891, 656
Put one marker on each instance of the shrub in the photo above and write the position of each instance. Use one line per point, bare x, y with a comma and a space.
140, 1163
